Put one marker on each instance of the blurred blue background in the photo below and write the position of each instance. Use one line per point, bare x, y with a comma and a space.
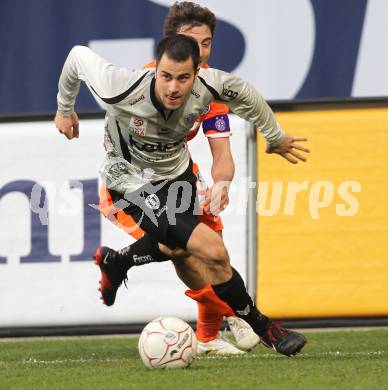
300, 49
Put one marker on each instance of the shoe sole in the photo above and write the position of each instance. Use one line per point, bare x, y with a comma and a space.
248, 342
219, 353
302, 346
299, 348
204, 349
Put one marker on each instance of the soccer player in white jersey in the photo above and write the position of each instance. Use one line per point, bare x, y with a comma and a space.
191, 19
148, 170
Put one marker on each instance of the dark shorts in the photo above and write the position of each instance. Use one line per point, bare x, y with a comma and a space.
166, 210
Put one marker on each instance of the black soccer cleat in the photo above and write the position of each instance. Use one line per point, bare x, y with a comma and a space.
284, 341
113, 273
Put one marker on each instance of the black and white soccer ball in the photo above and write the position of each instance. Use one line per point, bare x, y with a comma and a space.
167, 342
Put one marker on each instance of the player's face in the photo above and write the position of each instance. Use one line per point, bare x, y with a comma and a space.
203, 36
174, 81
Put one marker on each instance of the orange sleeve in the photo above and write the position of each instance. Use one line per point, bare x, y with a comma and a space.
215, 109
151, 64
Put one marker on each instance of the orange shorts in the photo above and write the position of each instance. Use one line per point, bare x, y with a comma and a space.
117, 216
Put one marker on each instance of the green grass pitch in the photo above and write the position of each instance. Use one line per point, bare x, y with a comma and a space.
354, 359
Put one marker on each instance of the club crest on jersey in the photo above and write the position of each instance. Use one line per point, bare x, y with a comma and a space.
205, 110
152, 202
220, 123
190, 119
137, 126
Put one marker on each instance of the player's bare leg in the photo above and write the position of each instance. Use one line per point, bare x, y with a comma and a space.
228, 285
211, 310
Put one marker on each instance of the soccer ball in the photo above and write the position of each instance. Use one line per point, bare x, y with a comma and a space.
167, 342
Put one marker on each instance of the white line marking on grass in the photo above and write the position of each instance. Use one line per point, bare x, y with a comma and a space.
337, 354
334, 354
80, 337
64, 361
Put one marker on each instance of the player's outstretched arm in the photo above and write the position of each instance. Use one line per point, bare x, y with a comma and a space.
67, 125
247, 103
289, 149
102, 78
217, 197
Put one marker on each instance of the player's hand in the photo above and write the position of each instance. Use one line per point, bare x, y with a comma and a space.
67, 125
216, 198
288, 149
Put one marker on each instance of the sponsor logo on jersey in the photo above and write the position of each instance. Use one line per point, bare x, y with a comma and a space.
138, 126
152, 202
229, 93
138, 122
154, 147
139, 99
196, 94
220, 123
189, 119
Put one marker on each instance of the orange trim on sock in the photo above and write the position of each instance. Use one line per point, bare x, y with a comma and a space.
208, 323
208, 297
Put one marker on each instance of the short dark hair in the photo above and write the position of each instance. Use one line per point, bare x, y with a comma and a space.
179, 48
186, 12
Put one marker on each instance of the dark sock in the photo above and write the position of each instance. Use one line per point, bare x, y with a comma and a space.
234, 293
144, 251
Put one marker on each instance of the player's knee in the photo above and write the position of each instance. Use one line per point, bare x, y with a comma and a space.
218, 254
222, 269
176, 253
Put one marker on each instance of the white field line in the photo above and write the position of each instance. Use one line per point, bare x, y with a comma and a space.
334, 354
32, 361
83, 337
133, 335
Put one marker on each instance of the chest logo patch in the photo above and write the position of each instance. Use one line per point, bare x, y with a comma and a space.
138, 126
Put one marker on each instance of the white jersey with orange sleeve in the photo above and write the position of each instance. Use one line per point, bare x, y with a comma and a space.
144, 141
